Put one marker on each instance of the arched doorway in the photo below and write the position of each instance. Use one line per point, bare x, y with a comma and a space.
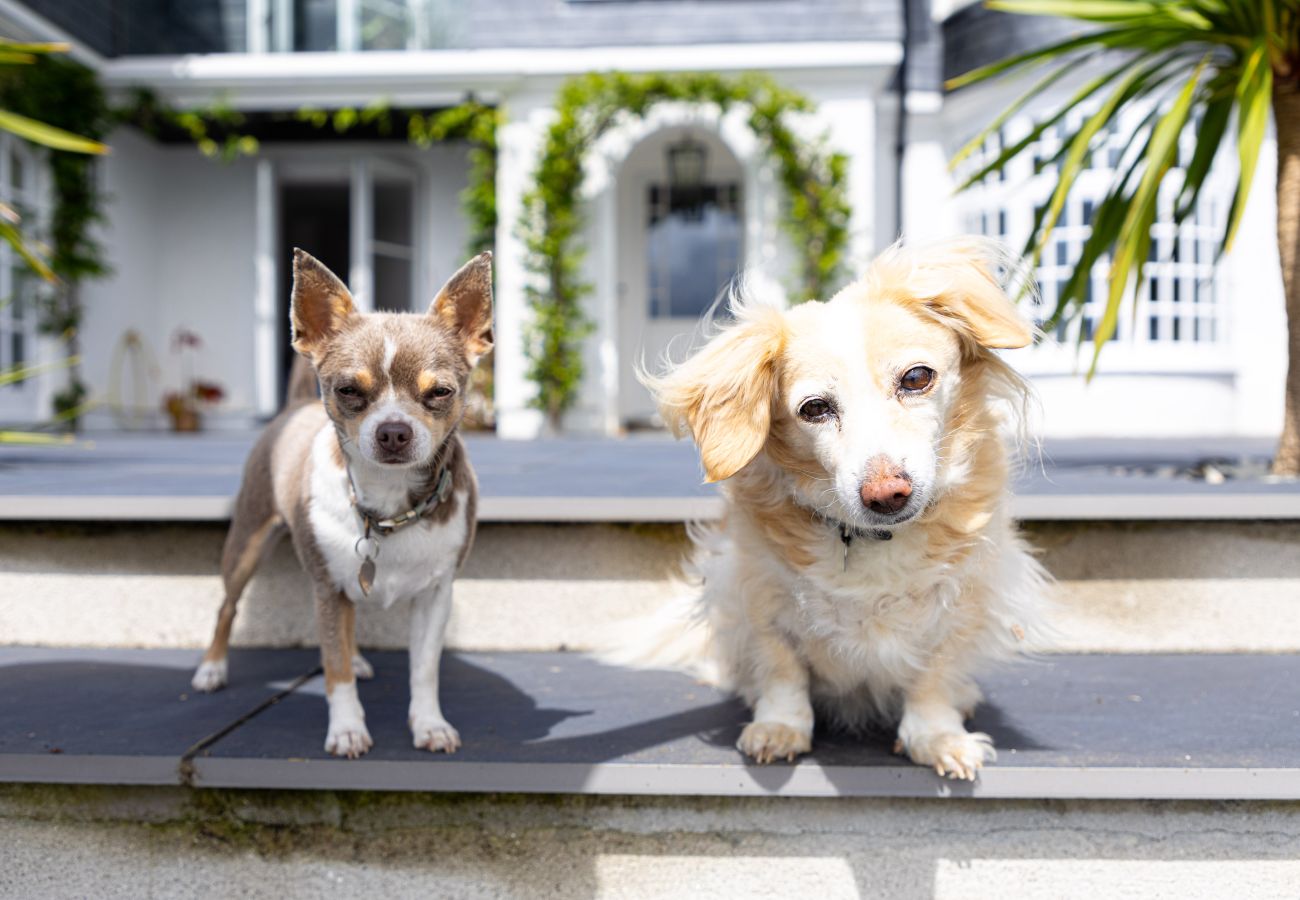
681, 227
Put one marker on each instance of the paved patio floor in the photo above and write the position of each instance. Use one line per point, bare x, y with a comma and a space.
194, 477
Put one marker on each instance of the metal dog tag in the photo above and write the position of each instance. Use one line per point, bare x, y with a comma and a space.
366, 576
367, 548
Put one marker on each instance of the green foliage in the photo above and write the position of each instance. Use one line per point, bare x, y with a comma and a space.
1200, 63
815, 215
477, 125
59, 103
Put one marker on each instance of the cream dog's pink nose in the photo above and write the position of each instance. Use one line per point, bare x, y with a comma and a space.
886, 491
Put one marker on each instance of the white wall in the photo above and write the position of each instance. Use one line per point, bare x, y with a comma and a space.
179, 237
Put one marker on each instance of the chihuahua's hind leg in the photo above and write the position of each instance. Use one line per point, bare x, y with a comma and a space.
246, 545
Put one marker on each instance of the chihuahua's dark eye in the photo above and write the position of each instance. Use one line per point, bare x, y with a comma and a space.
916, 379
440, 392
348, 390
815, 410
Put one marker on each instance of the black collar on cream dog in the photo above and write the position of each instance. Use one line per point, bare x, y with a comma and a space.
848, 532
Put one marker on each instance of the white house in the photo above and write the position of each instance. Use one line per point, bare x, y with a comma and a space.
203, 246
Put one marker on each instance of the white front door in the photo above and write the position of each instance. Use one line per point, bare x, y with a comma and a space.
680, 255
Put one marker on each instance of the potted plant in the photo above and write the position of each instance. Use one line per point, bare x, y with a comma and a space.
185, 406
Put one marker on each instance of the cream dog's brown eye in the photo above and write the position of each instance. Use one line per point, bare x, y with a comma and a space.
916, 379
815, 410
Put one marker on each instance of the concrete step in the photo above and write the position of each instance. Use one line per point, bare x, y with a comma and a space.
1100, 727
1172, 586
75, 842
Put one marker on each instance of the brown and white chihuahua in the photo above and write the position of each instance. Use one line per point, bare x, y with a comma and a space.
371, 481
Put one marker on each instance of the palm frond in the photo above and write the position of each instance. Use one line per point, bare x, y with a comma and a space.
1200, 68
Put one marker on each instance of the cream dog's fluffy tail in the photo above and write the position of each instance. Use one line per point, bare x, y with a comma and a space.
674, 637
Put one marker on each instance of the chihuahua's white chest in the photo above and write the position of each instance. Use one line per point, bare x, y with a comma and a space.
410, 561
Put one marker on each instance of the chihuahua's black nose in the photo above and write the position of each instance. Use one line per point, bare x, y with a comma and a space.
393, 436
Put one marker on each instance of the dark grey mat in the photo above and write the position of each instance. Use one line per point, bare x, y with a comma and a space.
1069, 726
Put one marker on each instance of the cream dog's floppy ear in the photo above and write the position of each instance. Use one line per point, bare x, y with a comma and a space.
975, 298
320, 305
465, 305
954, 280
723, 394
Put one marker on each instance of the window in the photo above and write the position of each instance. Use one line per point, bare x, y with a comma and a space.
693, 248
1177, 306
352, 25
20, 190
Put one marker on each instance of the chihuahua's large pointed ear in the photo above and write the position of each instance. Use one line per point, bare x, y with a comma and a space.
465, 305
970, 294
320, 305
723, 394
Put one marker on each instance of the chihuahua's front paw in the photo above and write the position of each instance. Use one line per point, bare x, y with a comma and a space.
350, 739
210, 676
434, 734
952, 754
362, 668
768, 741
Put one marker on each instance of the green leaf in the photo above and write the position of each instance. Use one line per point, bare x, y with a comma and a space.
1214, 123
1081, 144
978, 141
10, 233
16, 374
1135, 235
1254, 93
48, 135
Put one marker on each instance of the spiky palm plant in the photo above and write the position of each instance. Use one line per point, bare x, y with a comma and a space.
1203, 65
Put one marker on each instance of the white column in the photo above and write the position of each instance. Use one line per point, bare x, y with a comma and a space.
518, 144
266, 327
256, 32
607, 325
361, 276
349, 26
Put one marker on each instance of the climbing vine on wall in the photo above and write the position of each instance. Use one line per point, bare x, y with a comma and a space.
815, 215
62, 93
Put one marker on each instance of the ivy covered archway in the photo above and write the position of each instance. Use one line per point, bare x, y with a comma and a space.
815, 214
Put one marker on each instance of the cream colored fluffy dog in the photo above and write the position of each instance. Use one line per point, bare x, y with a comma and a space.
866, 567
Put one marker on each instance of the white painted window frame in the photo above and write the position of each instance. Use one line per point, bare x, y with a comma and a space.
20, 401
1019, 191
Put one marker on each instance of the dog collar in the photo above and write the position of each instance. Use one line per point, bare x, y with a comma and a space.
373, 528
385, 527
847, 533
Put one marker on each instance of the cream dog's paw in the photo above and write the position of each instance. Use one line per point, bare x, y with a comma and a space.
362, 669
435, 735
768, 741
952, 754
210, 676
350, 739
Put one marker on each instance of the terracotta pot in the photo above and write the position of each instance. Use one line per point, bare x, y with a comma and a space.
186, 420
